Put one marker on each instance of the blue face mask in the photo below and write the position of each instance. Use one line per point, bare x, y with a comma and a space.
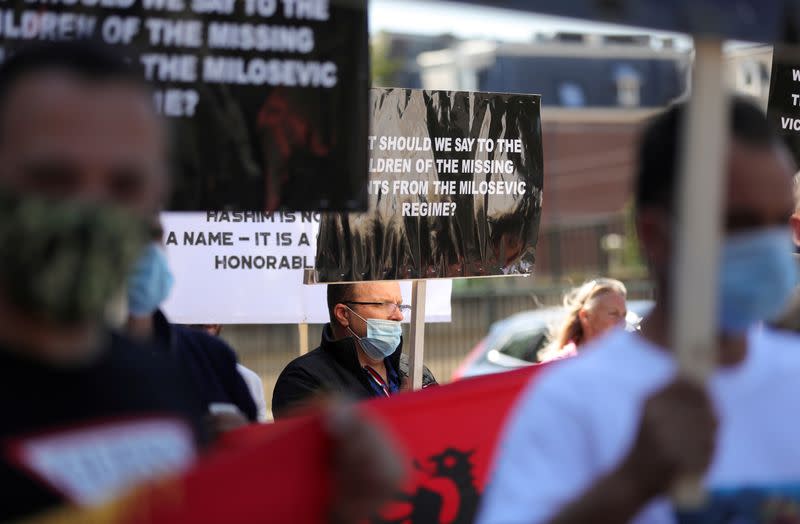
383, 337
150, 282
758, 275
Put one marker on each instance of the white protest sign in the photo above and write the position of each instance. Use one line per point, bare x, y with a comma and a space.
247, 268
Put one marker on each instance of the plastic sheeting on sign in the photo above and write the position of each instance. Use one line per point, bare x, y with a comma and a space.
455, 190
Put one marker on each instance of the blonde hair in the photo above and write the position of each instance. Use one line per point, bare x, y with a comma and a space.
576, 300
796, 180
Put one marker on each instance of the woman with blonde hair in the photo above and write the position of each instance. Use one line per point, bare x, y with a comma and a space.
592, 309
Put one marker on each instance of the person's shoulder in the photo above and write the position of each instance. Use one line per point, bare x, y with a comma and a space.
312, 360
601, 355
149, 378
197, 339
616, 358
131, 360
427, 375
124, 353
248, 374
779, 346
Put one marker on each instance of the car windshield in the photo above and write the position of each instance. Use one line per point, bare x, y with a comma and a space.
525, 346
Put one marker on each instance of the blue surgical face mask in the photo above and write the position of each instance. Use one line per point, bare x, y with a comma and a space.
150, 282
383, 337
758, 275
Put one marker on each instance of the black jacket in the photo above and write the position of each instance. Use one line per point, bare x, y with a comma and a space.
331, 368
208, 361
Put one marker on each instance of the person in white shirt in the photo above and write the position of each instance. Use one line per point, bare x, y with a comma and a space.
256, 388
603, 437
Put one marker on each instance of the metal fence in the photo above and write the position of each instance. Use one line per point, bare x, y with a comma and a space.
268, 349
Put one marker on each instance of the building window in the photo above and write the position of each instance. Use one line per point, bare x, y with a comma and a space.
629, 86
752, 78
571, 94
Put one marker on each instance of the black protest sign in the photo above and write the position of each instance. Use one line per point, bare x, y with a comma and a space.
267, 99
783, 109
455, 190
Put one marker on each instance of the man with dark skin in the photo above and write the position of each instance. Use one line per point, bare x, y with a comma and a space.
597, 440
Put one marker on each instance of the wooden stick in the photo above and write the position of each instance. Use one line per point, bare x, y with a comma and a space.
699, 205
417, 342
302, 330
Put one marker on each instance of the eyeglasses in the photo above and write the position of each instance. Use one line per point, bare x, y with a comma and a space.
389, 307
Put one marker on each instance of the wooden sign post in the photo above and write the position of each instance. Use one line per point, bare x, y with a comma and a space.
417, 343
699, 211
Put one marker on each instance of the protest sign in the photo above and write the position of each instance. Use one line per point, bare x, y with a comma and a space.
267, 99
247, 268
455, 190
783, 108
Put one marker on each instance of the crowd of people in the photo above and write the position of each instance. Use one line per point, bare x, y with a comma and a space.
603, 434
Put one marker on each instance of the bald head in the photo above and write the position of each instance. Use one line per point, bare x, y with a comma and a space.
351, 305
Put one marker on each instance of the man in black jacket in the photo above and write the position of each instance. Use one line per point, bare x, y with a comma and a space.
359, 355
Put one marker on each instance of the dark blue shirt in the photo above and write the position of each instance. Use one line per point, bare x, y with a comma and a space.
209, 363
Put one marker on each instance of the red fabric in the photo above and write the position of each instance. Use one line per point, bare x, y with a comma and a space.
279, 472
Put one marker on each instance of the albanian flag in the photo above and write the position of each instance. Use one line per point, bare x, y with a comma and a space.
280, 472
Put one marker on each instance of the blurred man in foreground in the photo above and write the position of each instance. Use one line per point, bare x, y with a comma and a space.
87, 413
605, 436
82, 166
360, 352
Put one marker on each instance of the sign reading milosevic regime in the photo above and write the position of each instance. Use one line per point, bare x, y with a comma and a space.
455, 190
267, 99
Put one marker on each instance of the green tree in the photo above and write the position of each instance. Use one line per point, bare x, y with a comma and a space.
384, 67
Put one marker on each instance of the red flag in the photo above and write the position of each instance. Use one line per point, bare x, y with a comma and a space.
449, 434
280, 472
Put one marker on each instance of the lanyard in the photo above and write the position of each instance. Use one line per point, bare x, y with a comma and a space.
379, 385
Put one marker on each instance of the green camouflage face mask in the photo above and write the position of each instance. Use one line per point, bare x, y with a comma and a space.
63, 260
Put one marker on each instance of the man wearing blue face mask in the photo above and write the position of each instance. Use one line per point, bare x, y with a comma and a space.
209, 363
606, 435
360, 352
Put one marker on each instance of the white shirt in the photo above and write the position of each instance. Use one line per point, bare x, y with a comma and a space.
256, 388
578, 420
